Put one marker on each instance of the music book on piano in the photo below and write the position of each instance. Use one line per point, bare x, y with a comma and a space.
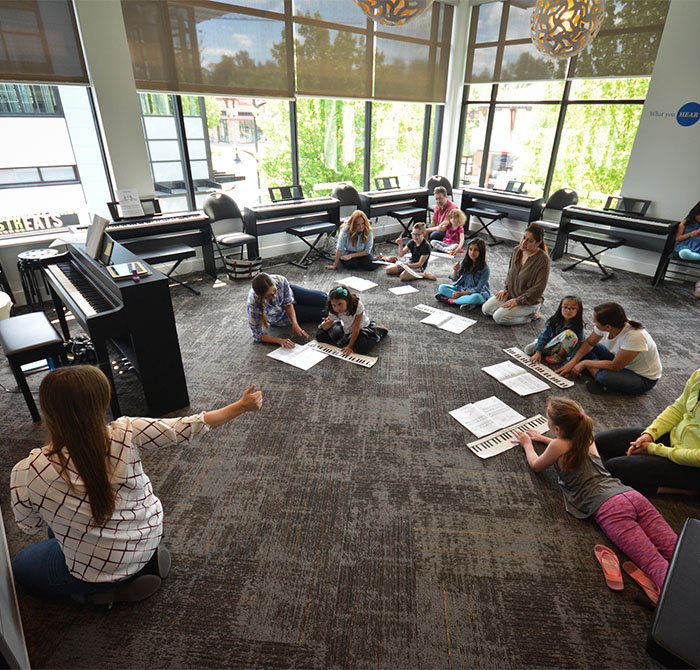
125, 270
449, 322
516, 379
301, 356
486, 416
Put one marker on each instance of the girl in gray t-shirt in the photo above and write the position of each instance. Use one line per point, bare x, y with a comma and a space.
625, 515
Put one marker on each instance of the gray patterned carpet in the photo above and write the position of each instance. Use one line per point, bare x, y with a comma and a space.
346, 525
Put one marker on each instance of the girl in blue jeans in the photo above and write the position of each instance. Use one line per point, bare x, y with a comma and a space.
471, 279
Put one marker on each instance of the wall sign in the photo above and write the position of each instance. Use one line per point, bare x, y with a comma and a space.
30, 224
689, 114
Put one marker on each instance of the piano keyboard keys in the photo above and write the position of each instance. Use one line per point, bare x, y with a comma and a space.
357, 359
498, 442
549, 375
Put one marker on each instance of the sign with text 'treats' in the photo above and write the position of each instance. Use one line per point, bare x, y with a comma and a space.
30, 224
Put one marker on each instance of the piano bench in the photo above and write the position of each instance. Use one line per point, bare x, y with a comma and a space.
309, 230
27, 339
156, 251
485, 217
673, 638
594, 238
406, 215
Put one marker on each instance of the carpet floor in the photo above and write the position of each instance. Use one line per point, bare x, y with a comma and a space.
347, 524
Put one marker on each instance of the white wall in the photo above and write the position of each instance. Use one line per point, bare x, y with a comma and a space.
665, 162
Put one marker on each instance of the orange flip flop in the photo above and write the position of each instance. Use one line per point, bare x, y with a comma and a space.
611, 567
646, 582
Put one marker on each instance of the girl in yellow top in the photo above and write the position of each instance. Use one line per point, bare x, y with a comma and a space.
664, 456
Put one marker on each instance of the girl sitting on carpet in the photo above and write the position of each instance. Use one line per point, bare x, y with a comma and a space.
688, 240
471, 279
347, 324
625, 515
453, 241
561, 335
420, 255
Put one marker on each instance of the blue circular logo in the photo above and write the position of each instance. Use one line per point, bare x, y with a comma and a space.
688, 114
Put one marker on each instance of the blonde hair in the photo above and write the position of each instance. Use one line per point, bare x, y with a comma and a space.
261, 283
419, 228
74, 401
459, 214
349, 225
576, 426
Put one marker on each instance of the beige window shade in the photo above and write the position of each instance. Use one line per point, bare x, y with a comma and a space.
39, 42
411, 61
332, 60
209, 47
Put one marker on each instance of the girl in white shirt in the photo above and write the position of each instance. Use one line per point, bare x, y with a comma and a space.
347, 324
619, 354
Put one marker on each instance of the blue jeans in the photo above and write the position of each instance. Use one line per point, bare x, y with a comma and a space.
622, 381
471, 299
40, 569
309, 304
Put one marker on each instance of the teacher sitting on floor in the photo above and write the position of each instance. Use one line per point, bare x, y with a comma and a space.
619, 354
355, 242
526, 281
663, 458
273, 301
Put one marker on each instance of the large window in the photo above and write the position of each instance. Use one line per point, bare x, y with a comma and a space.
51, 160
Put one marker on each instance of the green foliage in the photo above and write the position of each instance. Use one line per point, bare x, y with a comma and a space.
213, 112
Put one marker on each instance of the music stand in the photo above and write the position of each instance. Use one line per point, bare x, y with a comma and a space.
151, 207
281, 193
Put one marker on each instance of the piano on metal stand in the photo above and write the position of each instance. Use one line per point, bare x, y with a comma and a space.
136, 317
489, 205
380, 203
635, 231
155, 232
280, 216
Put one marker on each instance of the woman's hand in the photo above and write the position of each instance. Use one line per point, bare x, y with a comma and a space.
346, 257
536, 357
331, 267
509, 304
251, 400
580, 368
640, 445
285, 342
459, 294
566, 370
326, 323
501, 295
347, 351
299, 331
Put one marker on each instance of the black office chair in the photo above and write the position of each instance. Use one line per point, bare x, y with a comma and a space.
349, 198
223, 211
557, 201
432, 184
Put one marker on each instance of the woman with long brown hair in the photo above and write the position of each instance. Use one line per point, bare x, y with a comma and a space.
87, 485
528, 274
355, 241
273, 301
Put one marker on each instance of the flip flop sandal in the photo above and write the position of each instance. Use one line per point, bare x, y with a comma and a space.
647, 583
611, 567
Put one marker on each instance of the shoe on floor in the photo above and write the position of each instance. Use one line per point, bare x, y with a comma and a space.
382, 331
441, 298
466, 308
647, 583
611, 566
163, 560
536, 316
136, 589
594, 387
697, 289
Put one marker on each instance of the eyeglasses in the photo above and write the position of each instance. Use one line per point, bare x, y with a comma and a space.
416, 234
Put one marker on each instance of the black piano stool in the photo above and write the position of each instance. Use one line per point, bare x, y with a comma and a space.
27, 339
163, 251
29, 264
302, 232
593, 238
408, 215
